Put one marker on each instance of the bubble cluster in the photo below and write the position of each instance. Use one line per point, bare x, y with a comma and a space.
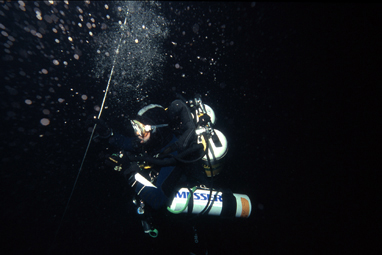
44, 47
59, 55
202, 39
136, 45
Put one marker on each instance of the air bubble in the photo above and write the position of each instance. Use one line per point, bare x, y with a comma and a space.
195, 28
48, 18
45, 121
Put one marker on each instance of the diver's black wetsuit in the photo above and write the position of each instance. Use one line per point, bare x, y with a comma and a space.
175, 145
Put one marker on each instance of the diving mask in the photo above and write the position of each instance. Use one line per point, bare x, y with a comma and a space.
141, 129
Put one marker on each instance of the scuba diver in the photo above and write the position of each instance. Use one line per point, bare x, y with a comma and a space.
161, 152
157, 147
166, 152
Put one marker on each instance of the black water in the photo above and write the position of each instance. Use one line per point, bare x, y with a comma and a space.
297, 95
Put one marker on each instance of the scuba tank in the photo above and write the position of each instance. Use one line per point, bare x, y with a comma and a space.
217, 149
224, 204
209, 137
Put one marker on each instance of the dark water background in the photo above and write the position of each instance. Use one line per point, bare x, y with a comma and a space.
297, 95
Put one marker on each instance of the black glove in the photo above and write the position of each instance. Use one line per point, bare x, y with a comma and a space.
119, 161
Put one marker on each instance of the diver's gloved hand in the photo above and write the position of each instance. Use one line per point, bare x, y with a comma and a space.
119, 161
102, 130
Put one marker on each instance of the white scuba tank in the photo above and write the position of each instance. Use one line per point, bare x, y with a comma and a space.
224, 204
218, 145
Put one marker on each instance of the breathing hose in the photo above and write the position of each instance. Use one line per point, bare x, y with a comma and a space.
186, 204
